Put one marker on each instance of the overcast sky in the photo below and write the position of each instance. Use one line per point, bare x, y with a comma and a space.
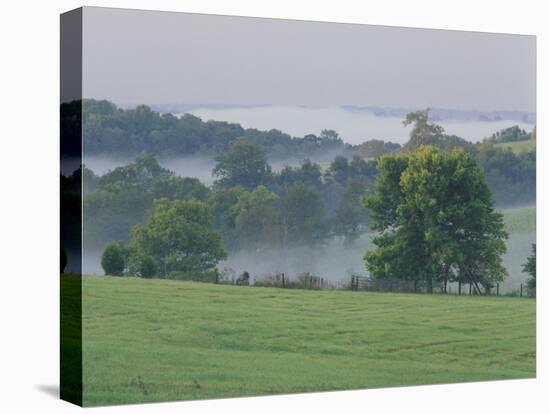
159, 57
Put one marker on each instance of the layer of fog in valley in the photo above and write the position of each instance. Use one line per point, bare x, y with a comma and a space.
198, 167
186, 166
354, 126
334, 261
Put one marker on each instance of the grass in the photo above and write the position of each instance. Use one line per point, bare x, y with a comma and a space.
519, 146
520, 220
155, 340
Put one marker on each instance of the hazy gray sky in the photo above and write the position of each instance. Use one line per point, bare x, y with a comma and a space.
160, 57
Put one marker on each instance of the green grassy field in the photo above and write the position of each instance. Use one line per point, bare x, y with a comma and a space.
519, 146
154, 340
520, 220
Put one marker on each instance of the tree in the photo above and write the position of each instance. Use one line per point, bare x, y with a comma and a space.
338, 170
258, 219
180, 188
423, 132
330, 136
147, 267
116, 131
245, 165
141, 175
512, 177
223, 205
179, 236
374, 148
436, 220
530, 267
511, 134
350, 217
302, 216
112, 259
308, 173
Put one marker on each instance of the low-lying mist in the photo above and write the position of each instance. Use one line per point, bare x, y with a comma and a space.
334, 261
354, 127
194, 166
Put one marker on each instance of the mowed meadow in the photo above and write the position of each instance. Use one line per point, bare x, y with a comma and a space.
154, 340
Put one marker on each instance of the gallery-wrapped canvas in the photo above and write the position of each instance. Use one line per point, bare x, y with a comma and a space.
255, 206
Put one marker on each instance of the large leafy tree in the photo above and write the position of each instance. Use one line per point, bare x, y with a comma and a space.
424, 132
244, 164
179, 236
436, 220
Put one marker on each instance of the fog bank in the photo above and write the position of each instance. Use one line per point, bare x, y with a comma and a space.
354, 127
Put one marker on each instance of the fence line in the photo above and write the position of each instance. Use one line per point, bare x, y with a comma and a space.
425, 286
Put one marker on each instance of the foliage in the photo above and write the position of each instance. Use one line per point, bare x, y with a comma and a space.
351, 218
511, 134
374, 148
245, 165
147, 267
141, 130
436, 220
257, 220
425, 133
141, 175
124, 197
113, 258
265, 219
222, 203
302, 216
178, 235
519, 147
308, 173
511, 177
180, 188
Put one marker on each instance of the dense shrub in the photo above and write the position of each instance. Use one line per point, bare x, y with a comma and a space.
112, 259
147, 267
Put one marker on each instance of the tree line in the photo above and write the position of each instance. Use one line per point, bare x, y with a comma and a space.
108, 129
249, 206
112, 130
511, 177
252, 206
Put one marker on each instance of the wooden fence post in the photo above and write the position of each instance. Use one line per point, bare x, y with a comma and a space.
521, 290
497, 289
283, 276
470, 290
459, 288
